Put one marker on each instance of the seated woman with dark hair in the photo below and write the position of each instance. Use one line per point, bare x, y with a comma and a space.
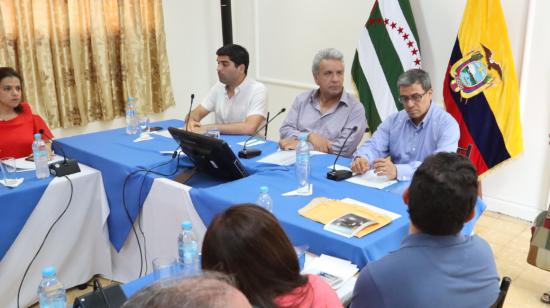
247, 242
17, 122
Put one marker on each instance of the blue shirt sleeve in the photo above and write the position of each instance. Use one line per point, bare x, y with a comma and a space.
366, 293
378, 145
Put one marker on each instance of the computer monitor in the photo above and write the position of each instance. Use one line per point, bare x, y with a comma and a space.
210, 155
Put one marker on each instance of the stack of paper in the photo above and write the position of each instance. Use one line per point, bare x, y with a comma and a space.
336, 272
336, 214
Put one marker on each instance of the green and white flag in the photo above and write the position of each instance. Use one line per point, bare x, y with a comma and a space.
388, 46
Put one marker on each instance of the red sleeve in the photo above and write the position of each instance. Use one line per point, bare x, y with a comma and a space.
41, 127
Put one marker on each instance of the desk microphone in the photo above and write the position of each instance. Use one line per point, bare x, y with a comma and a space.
249, 153
189, 114
339, 175
65, 167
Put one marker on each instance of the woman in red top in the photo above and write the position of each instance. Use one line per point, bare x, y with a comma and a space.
247, 242
17, 122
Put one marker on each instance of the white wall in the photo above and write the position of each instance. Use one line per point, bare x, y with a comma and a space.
282, 37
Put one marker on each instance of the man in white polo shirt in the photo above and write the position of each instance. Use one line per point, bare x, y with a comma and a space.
238, 102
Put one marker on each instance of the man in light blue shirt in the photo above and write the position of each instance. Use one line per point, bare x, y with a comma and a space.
410, 135
436, 266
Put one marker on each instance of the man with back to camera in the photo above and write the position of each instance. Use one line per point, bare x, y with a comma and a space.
238, 102
436, 266
327, 114
409, 135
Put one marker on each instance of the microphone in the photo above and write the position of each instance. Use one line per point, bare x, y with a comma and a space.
249, 153
189, 114
339, 175
67, 166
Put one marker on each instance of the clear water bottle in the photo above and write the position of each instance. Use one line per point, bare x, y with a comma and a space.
131, 116
50, 291
302, 163
264, 200
188, 250
40, 153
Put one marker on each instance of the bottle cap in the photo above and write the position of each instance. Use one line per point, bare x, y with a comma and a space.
264, 189
37, 136
48, 271
186, 225
302, 137
131, 99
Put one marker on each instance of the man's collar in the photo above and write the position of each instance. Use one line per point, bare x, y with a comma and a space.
240, 86
424, 239
344, 98
426, 117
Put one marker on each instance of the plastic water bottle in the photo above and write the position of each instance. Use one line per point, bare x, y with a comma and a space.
40, 153
264, 200
302, 163
188, 250
131, 117
50, 291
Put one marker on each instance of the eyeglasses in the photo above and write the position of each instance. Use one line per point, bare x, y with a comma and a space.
415, 98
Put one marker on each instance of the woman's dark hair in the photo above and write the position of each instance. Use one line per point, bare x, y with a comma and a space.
247, 242
10, 72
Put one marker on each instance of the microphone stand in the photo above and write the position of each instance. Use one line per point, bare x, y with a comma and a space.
249, 153
339, 175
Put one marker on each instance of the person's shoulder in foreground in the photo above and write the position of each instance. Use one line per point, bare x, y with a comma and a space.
315, 294
436, 266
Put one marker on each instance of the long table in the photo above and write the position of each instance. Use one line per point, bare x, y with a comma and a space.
77, 246
117, 156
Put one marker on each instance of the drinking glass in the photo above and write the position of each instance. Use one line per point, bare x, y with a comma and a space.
7, 164
143, 126
165, 268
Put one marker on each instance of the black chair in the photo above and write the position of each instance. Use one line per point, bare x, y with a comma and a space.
504, 286
465, 151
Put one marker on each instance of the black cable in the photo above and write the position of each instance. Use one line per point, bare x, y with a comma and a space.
97, 286
150, 170
44, 241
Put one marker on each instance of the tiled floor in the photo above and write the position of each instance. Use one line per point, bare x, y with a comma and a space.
509, 238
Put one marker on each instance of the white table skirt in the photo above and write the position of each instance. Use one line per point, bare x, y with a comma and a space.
78, 246
166, 206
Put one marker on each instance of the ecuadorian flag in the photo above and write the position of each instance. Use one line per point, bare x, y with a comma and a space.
481, 87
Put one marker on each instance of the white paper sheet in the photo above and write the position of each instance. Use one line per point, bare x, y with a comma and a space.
252, 142
25, 165
370, 179
284, 158
163, 133
373, 208
340, 268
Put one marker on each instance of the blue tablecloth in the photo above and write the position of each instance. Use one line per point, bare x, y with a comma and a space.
118, 158
213, 200
17, 205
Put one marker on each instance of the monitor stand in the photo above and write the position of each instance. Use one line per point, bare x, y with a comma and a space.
185, 175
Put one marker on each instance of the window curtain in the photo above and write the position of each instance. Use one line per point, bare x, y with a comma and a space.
81, 59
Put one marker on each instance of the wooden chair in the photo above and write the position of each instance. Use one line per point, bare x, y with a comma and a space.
504, 286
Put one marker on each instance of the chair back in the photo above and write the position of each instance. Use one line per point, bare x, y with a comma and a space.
504, 286
465, 151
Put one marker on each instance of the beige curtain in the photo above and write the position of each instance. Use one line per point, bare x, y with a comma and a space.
81, 59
